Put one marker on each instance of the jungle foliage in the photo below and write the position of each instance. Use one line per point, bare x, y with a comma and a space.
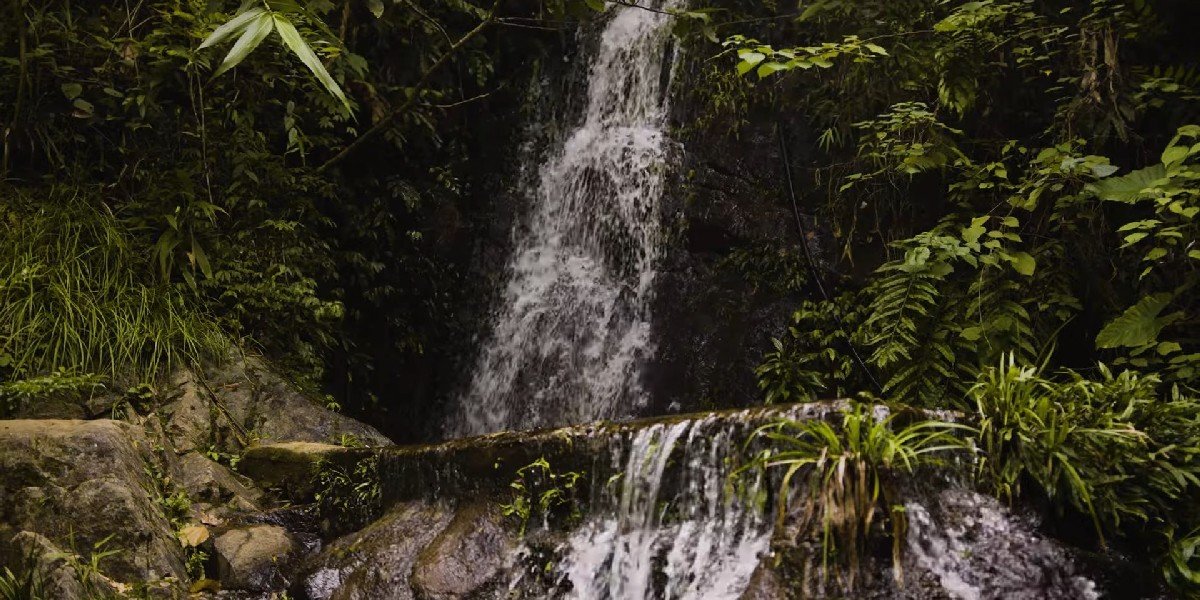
174, 182
1007, 183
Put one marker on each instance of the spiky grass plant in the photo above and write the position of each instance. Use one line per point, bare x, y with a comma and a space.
28, 583
1111, 448
77, 293
842, 472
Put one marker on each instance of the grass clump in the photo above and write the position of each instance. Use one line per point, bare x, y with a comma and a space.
76, 293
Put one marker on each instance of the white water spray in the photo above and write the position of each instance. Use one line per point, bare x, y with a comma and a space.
574, 326
694, 538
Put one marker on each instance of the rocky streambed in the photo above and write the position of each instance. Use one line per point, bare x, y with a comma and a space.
641, 509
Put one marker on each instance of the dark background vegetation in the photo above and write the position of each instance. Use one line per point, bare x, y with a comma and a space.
996, 200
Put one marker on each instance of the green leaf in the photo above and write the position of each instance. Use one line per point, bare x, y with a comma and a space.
768, 68
1174, 154
83, 108
596, 5
753, 58
972, 234
232, 27
72, 90
1127, 188
1139, 324
254, 34
877, 49
292, 38
1023, 262
376, 7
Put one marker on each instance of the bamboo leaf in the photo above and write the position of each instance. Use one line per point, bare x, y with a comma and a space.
232, 27
254, 34
292, 38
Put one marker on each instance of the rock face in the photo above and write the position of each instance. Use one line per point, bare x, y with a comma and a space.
255, 558
719, 299
377, 562
287, 465
243, 401
975, 548
213, 483
465, 557
83, 482
765, 584
33, 554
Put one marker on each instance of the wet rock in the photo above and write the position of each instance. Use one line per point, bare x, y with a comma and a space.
225, 407
289, 466
255, 558
30, 554
375, 563
80, 483
712, 319
765, 584
975, 548
465, 557
211, 482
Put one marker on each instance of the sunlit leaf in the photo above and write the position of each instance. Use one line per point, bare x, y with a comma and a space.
292, 38
230, 28
254, 34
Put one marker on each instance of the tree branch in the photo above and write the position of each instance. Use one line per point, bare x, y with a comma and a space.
386, 122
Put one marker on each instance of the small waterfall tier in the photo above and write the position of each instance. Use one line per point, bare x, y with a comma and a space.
656, 512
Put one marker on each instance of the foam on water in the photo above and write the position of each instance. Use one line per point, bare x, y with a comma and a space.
695, 538
573, 327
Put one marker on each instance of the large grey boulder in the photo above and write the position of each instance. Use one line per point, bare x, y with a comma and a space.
79, 483
465, 557
255, 558
243, 401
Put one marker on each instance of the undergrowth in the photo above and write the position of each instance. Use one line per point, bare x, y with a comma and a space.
75, 294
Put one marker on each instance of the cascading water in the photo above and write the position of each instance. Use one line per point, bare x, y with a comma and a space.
671, 526
574, 326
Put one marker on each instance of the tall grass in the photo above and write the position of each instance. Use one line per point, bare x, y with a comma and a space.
77, 293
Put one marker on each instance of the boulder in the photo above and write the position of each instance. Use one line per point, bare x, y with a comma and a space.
86, 486
465, 557
255, 558
375, 563
213, 483
229, 406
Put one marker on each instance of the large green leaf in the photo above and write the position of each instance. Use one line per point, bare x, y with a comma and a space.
292, 38
255, 33
1127, 188
234, 25
1139, 324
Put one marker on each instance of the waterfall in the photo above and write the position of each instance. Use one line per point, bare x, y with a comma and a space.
573, 328
673, 535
